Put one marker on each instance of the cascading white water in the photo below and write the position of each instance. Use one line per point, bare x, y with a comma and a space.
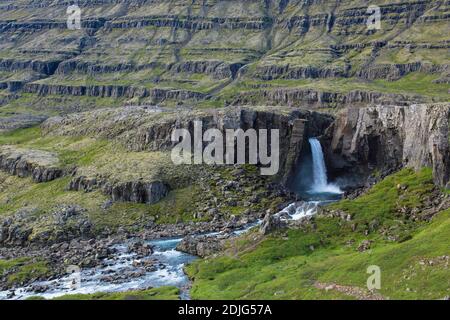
320, 180
319, 169
320, 186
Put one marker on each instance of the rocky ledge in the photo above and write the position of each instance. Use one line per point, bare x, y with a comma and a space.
316, 98
133, 191
42, 166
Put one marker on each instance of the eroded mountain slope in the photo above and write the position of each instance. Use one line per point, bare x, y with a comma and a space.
216, 53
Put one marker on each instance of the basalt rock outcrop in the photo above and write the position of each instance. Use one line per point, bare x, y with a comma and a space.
65, 223
147, 129
133, 191
92, 68
390, 72
202, 246
140, 192
311, 97
42, 166
288, 72
43, 67
113, 91
271, 223
394, 72
218, 69
225, 52
388, 137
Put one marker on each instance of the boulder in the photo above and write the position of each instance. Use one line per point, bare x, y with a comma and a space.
201, 246
271, 223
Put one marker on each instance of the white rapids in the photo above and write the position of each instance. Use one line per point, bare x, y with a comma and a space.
119, 273
126, 276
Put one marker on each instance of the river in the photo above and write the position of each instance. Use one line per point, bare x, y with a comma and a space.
123, 271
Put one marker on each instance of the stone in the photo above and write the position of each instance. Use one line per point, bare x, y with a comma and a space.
271, 223
364, 245
201, 246
140, 248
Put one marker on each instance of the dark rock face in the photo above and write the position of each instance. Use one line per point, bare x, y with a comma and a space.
394, 72
314, 98
427, 132
40, 165
390, 72
86, 184
288, 72
114, 91
13, 233
42, 67
68, 66
47, 24
217, 69
389, 137
139, 192
134, 191
193, 23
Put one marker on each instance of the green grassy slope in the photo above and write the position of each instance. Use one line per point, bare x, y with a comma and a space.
99, 157
290, 265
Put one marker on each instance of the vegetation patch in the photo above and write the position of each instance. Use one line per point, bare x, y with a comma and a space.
287, 264
22, 270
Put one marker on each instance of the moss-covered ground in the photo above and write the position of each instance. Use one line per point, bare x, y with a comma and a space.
288, 264
21, 270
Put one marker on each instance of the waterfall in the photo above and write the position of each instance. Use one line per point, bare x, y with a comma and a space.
321, 192
320, 180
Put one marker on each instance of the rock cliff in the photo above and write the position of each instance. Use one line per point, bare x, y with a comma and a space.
40, 165
146, 129
221, 53
388, 137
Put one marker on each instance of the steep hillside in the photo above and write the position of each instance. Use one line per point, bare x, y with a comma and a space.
216, 53
327, 256
87, 177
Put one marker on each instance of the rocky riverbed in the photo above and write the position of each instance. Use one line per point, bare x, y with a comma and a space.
121, 266
116, 263
109, 260
123, 262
